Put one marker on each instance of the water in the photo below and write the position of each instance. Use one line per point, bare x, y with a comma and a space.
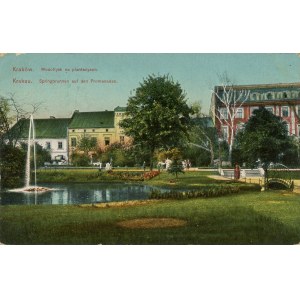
31, 140
60, 194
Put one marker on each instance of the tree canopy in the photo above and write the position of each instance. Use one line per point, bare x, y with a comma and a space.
264, 137
157, 116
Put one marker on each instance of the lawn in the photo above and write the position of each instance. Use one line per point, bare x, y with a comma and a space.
271, 217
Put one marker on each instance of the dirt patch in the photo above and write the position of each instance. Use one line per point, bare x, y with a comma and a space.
152, 223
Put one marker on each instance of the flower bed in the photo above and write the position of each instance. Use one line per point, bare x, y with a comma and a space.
205, 192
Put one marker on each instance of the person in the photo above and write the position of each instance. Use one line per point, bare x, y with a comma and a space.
188, 164
237, 172
144, 166
168, 163
107, 166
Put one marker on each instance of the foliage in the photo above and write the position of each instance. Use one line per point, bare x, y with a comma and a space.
12, 164
121, 155
264, 137
42, 155
212, 191
87, 144
157, 115
80, 160
172, 154
175, 168
203, 139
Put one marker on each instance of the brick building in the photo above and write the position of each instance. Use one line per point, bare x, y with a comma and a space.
282, 99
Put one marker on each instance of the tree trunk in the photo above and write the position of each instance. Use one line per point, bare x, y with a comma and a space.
212, 154
151, 158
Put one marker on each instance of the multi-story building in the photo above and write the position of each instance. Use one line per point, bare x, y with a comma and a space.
282, 99
50, 133
103, 126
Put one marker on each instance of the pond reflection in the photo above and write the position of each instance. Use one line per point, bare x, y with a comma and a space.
61, 194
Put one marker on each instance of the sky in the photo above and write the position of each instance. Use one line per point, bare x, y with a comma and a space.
196, 73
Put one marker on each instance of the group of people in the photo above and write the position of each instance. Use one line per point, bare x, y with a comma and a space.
108, 166
186, 164
167, 163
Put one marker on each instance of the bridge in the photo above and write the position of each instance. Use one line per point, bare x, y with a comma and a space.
279, 177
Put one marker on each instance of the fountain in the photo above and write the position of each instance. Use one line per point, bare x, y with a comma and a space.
31, 140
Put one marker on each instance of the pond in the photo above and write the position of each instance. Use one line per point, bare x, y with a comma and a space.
81, 193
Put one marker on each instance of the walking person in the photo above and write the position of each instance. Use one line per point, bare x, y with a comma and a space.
237, 172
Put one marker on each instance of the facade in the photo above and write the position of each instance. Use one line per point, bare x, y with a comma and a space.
281, 99
103, 126
50, 133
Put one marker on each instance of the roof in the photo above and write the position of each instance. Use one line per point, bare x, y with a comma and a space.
44, 128
98, 119
264, 92
267, 86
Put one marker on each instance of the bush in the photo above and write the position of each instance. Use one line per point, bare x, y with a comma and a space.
80, 160
12, 167
205, 192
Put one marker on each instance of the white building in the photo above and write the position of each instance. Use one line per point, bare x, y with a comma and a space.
50, 133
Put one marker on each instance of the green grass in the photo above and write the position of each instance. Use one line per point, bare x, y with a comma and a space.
271, 217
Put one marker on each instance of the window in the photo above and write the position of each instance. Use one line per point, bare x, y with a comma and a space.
254, 97
73, 142
106, 130
48, 145
269, 96
84, 130
122, 139
73, 130
270, 109
253, 108
93, 130
224, 131
284, 95
60, 145
285, 112
106, 141
223, 113
240, 113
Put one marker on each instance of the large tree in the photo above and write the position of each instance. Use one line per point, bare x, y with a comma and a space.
157, 116
264, 138
228, 101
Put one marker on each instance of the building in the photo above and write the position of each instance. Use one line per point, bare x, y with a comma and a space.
103, 126
282, 99
50, 133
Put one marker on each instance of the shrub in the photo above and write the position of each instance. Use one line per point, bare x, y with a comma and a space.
205, 192
12, 167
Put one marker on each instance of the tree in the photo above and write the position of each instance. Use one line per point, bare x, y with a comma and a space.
12, 166
264, 138
230, 100
11, 112
157, 116
87, 144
